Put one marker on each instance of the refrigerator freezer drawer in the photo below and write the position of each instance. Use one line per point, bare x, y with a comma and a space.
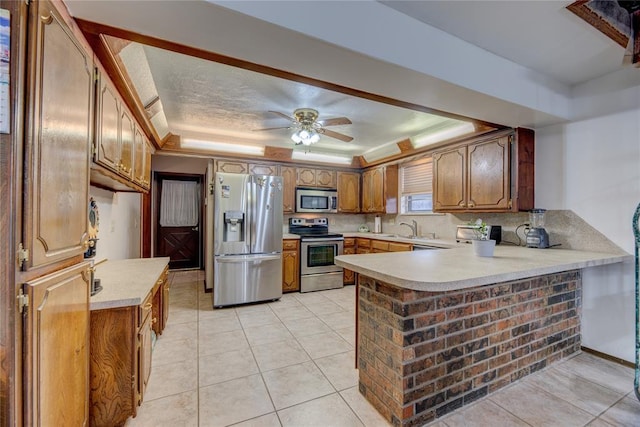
242, 279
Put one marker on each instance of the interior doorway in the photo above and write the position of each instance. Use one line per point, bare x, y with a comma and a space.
179, 219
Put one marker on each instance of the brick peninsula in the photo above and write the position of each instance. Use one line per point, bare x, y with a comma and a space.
437, 330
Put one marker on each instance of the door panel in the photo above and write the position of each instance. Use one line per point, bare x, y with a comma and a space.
181, 244
57, 348
58, 136
266, 214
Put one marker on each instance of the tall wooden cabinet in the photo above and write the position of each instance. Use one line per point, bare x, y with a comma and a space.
290, 265
288, 174
494, 174
58, 133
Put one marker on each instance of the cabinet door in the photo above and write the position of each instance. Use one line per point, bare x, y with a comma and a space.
377, 190
366, 192
348, 276
126, 143
290, 268
450, 180
144, 356
56, 337
489, 181
288, 189
59, 129
165, 300
306, 177
139, 145
147, 164
326, 178
229, 166
257, 169
108, 124
348, 192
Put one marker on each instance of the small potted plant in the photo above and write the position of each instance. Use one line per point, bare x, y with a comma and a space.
482, 246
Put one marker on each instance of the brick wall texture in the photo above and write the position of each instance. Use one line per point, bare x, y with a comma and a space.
422, 355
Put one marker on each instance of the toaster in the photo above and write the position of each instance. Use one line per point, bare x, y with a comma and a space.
467, 233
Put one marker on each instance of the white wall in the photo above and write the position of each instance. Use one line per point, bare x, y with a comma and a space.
592, 167
119, 226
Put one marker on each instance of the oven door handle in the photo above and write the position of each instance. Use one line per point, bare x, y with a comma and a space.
323, 239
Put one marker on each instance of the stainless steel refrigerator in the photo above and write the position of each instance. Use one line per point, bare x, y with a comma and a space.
247, 238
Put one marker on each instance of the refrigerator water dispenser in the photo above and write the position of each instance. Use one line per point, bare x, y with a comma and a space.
233, 226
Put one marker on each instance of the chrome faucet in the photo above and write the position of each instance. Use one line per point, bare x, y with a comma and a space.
414, 228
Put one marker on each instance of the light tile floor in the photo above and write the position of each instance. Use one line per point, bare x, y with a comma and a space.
290, 363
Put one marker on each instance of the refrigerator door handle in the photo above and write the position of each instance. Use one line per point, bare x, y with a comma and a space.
247, 258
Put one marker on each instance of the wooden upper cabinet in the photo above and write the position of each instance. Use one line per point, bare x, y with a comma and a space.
107, 151
288, 189
261, 169
139, 148
56, 353
348, 192
450, 180
232, 166
147, 164
489, 179
380, 190
308, 177
127, 136
59, 132
494, 174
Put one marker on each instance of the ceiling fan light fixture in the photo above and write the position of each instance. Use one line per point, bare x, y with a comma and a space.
306, 136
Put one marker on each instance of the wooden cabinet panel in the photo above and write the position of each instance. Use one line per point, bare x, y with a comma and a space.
59, 129
379, 246
349, 276
144, 356
56, 358
450, 180
127, 133
494, 174
489, 179
258, 169
165, 288
290, 266
363, 246
348, 192
107, 126
326, 178
307, 177
114, 366
139, 145
147, 164
380, 190
399, 247
288, 189
232, 166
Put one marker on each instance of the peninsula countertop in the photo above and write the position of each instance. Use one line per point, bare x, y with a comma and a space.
459, 268
126, 282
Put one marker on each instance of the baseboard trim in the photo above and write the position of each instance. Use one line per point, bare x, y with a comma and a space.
609, 357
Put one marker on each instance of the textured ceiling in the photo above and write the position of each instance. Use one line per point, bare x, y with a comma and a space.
209, 101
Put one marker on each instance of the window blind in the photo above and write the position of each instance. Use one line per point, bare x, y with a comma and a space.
417, 178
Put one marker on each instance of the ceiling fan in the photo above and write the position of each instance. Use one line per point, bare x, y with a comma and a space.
308, 128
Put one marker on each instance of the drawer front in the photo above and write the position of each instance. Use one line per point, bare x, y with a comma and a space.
379, 245
363, 243
145, 308
289, 245
399, 247
349, 241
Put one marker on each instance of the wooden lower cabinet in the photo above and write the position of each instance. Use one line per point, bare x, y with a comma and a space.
363, 246
120, 362
349, 276
290, 265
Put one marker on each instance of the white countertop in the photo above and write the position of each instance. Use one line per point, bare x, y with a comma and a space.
126, 282
459, 268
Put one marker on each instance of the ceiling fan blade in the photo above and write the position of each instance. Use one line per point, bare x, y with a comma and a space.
291, 119
280, 127
336, 135
335, 121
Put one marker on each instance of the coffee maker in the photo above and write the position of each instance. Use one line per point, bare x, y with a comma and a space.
537, 236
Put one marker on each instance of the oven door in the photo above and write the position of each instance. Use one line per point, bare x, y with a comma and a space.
318, 255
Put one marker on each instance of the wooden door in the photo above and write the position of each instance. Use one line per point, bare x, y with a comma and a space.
288, 189
183, 245
489, 180
450, 180
108, 125
127, 137
59, 130
348, 192
366, 191
56, 358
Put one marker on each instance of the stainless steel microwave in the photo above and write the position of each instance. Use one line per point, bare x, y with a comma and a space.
314, 200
